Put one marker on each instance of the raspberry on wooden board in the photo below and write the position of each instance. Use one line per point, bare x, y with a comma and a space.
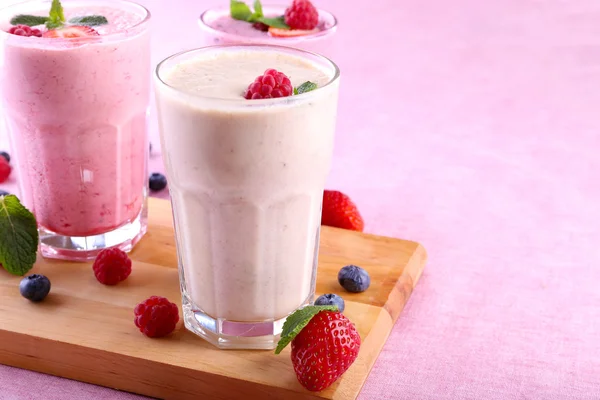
156, 316
112, 266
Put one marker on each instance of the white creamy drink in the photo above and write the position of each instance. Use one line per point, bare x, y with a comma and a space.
246, 180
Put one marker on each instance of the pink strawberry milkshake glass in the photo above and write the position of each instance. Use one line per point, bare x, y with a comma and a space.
219, 27
76, 114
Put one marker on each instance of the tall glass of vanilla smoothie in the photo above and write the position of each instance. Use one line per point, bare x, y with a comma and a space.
75, 84
246, 178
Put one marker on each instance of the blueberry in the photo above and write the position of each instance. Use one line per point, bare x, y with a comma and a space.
354, 279
331, 300
3, 193
35, 287
5, 155
157, 182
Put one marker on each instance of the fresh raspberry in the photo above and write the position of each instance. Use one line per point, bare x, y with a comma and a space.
324, 349
112, 266
260, 26
71, 32
302, 15
340, 212
271, 84
5, 170
156, 316
24, 30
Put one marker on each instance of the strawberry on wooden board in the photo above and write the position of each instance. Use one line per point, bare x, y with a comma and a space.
340, 212
324, 345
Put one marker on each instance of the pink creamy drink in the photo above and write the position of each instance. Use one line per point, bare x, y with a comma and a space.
220, 28
76, 110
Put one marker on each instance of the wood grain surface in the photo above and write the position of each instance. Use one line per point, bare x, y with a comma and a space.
85, 331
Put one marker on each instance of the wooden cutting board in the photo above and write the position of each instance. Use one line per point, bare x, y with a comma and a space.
85, 331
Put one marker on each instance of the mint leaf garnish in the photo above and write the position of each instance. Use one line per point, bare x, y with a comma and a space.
258, 8
277, 22
297, 321
29, 20
239, 10
18, 236
57, 15
305, 87
89, 20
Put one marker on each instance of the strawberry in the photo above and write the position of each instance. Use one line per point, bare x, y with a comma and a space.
324, 345
283, 33
339, 211
5, 170
71, 32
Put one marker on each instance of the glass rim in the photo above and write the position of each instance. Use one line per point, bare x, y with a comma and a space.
146, 18
242, 100
325, 32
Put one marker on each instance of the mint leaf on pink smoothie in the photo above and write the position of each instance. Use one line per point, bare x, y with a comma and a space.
57, 15
277, 22
239, 10
258, 8
242, 12
89, 20
29, 20
18, 236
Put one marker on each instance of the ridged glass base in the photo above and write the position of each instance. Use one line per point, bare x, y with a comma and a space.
226, 334
85, 248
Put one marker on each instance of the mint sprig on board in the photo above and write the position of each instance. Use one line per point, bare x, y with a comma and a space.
242, 12
296, 322
307, 86
56, 18
18, 236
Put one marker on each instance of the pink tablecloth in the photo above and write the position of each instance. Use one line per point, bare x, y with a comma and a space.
473, 127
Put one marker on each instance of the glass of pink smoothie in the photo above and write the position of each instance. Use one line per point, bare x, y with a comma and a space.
246, 179
219, 28
76, 114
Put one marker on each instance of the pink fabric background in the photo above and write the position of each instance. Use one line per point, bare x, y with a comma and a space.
473, 127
